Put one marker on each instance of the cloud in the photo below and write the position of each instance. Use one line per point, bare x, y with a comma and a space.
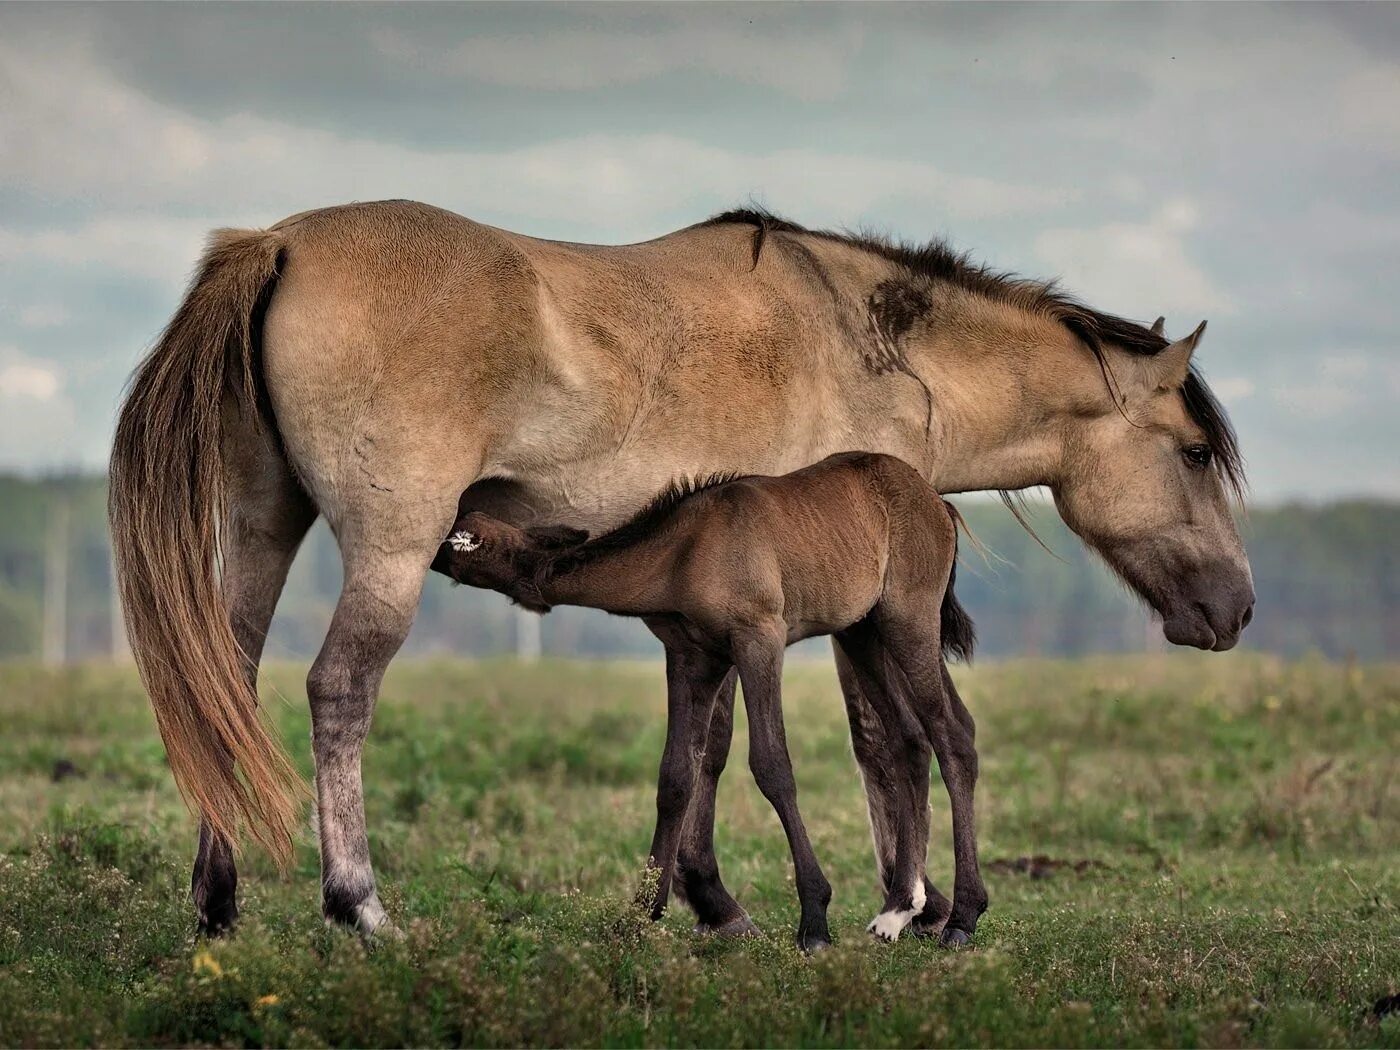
1232, 388
1111, 264
1370, 104
43, 315
27, 378
37, 417
808, 66
151, 247
72, 130
1343, 382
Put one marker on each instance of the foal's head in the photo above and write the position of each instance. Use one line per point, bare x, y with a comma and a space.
483, 551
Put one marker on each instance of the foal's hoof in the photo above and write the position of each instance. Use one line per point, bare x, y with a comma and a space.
739, 926
952, 937
888, 925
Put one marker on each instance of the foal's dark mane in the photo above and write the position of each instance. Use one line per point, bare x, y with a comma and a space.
641, 526
936, 261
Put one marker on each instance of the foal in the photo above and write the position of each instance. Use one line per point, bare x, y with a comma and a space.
732, 572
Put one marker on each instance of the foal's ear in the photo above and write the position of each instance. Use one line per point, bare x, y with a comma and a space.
554, 537
1159, 326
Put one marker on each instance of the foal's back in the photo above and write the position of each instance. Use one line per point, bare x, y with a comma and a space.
817, 547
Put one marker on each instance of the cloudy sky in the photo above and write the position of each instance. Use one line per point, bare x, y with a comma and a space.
1240, 163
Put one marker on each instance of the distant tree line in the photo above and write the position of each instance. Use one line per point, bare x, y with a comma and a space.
1328, 579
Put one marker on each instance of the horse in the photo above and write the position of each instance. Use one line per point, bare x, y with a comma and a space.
728, 573
386, 365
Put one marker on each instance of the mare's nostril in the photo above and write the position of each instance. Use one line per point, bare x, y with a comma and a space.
1248, 615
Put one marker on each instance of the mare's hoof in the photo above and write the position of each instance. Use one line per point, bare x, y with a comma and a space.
218, 920
811, 943
952, 937
739, 926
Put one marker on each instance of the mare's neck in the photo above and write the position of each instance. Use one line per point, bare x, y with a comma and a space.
1004, 384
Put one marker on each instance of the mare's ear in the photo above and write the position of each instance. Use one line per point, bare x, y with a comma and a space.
1159, 326
555, 537
1167, 369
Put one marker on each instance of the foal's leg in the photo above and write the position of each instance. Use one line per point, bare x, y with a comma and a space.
906, 634
269, 516
760, 663
692, 679
697, 867
907, 756
881, 786
384, 570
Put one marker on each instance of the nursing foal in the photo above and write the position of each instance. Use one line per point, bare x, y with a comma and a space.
730, 573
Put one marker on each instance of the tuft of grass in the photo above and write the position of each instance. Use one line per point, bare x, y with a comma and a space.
1219, 840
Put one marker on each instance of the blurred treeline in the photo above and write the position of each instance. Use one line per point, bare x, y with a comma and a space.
1328, 580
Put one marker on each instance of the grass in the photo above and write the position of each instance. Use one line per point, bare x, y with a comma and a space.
1242, 814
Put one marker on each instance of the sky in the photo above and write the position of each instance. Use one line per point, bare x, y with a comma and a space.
1239, 163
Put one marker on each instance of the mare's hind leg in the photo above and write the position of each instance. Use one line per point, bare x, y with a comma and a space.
269, 516
697, 868
881, 793
385, 562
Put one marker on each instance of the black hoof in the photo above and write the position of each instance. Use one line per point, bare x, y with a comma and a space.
952, 937
811, 943
217, 917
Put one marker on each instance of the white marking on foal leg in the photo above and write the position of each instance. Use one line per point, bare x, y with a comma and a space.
888, 925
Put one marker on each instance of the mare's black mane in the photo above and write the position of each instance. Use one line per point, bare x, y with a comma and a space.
935, 260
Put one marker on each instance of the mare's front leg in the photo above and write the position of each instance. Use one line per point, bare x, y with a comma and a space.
950, 728
759, 658
907, 754
692, 680
882, 792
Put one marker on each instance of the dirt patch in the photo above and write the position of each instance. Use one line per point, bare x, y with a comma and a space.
1042, 867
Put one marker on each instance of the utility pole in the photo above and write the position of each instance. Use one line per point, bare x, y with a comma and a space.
527, 636
55, 628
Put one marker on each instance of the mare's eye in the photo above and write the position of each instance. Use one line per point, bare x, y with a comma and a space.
1197, 455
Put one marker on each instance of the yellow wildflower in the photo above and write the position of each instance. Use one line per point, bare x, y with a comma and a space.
207, 964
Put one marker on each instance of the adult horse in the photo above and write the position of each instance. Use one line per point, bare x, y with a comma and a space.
380, 364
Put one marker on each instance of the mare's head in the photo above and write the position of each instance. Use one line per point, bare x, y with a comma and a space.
1149, 466
483, 551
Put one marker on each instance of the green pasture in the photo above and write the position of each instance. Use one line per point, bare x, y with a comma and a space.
1218, 843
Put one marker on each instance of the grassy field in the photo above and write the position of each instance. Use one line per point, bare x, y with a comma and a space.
1237, 820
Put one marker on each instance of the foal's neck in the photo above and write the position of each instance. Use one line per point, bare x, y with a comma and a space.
625, 581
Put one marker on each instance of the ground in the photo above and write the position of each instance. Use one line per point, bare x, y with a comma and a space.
1218, 842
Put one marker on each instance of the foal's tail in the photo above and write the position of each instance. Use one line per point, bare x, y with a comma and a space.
957, 633
167, 505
